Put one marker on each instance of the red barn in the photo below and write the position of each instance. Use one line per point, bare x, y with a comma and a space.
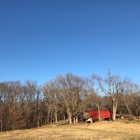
104, 114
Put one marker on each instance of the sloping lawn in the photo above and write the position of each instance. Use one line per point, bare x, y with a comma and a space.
106, 130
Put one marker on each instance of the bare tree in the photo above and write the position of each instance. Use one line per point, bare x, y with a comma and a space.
127, 96
111, 86
93, 100
51, 92
136, 97
70, 95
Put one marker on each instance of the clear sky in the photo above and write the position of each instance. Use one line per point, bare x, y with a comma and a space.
40, 39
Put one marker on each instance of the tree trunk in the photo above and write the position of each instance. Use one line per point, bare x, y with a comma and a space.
76, 120
51, 117
99, 117
56, 117
38, 123
114, 110
38, 120
69, 116
48, 115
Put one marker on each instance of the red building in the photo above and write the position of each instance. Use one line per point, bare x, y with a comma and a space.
104, 114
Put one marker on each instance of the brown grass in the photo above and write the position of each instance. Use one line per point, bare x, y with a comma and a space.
106, 130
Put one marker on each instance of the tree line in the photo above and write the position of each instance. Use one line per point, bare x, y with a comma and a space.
65, 98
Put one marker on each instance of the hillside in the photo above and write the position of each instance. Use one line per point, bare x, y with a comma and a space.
106, 130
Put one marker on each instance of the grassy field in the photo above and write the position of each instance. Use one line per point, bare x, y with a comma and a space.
106, 130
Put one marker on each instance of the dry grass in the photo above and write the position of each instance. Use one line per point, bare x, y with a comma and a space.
108, 130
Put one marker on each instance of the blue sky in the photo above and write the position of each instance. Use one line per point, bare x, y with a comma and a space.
40, 39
